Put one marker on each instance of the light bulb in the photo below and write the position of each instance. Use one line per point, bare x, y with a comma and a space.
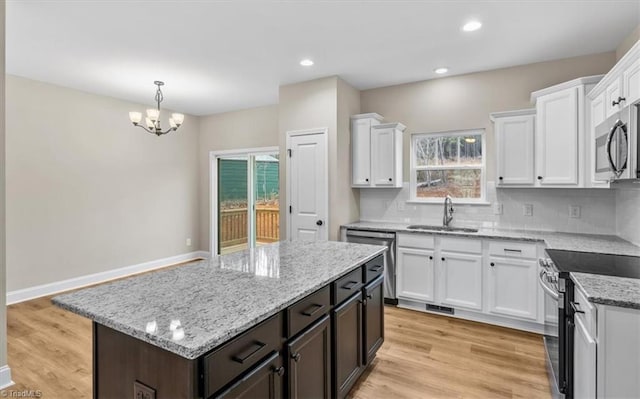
153, 114
149, 123
178, 118
135, 117
173, 123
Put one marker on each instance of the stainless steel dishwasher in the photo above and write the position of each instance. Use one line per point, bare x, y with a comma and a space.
388, 240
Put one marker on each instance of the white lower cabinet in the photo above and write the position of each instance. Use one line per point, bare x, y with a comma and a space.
584, 362
485, 280
460, 280
415, 274
513, 287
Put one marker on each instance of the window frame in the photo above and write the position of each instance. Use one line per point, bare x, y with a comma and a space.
414, 168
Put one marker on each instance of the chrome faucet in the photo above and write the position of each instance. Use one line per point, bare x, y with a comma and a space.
448, 211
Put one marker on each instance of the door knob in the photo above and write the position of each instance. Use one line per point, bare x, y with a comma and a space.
319, 223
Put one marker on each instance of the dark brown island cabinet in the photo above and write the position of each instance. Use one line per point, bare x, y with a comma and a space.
316, 348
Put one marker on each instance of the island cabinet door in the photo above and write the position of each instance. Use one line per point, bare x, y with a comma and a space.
264, 381
373, 319
309, 358
348, 346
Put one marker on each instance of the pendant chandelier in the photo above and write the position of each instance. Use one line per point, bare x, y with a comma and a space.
152, 120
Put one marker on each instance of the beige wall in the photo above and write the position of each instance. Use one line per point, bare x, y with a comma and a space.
629, 41
465, 102
345, 201
3, 280
251, 128
307, 105
88, 192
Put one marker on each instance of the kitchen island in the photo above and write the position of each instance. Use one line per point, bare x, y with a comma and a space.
294, 319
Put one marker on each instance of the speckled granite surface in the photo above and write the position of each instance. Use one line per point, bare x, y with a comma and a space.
609, 290
567, 241
218, 298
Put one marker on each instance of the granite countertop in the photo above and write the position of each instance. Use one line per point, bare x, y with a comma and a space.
217, 298
609, 290
566, 241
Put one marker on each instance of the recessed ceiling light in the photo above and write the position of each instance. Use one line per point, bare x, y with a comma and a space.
441, 70
471, 26
306, 62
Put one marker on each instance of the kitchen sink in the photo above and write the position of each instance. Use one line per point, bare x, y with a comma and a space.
442, 228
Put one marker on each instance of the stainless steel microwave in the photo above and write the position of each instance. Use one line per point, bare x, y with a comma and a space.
616, 146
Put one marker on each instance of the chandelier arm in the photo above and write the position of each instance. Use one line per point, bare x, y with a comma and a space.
145, 129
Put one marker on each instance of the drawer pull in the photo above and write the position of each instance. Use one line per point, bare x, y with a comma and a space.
574, 306
313, 309
256, 347
351, 285
519, 251
376, 268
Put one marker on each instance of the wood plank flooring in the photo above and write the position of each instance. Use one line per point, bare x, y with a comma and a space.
424, 356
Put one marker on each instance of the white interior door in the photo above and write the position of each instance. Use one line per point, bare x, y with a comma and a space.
307, 185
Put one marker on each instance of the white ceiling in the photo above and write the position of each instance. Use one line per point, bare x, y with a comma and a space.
217, 56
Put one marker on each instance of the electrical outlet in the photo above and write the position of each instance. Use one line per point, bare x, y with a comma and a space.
574, 211
527, 209
188, 242
497, 208
141, 391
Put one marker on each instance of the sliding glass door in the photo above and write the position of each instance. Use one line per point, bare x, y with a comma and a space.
247, 203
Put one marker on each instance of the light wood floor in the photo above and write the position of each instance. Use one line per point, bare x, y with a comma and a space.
424, 356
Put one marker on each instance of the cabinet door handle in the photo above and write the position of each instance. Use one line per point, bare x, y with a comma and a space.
363, 301
279, 371
369, 296
519, 251
351, 285
620, 99
249, 352
296, 357
574, 306
313, 309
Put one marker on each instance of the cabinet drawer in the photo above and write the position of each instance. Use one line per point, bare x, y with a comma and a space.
512, 249
473, 245
422, 241
346, 286
264, 381
232, 359
585, 311
373, 269
308, 310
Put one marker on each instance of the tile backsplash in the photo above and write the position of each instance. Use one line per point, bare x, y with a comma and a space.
550, 209
628, 214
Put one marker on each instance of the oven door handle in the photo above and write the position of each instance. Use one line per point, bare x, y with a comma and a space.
550, 291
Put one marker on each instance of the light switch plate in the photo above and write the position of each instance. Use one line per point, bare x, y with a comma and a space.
574, 211
497, 208
527, 209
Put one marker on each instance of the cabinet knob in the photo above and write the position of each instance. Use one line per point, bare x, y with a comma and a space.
367, 180
443, 259
390, 179
500, 177
319, 223
539, 177
430, 257
370, 296
279, 371
296, 357
363, 302
492, 264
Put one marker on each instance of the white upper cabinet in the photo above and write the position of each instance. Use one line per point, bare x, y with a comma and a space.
613, 97
557, 138
376, 152
514, 132
631, 82
621, 85
361, 148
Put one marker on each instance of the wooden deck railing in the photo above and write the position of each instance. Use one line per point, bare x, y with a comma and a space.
233, 226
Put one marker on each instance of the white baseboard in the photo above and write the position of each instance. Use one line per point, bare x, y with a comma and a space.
78, 282
5, 377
